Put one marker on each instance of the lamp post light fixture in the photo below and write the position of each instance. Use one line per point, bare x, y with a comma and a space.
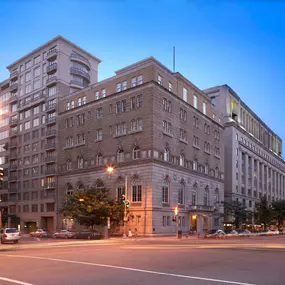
110, 170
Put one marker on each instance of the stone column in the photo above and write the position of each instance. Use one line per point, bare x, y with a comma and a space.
257, 178
246, 174
199, 224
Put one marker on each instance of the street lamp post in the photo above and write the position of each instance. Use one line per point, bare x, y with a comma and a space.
110, 170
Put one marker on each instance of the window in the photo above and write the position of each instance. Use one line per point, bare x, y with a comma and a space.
120, 156
185, 94
136, 153
27, 125
165, 191
193, 198
120, 189
97, 95
99, 134
36, 122
134, 82
99, 113
124, 106
167, 128
79, 101
166, 155
118, 87
196, 142
136, 190
50, 207
170, 86
28, 88
124, 85
195, 165
52, 91
183, 135
204, 108
99, 159
133, 103
118, 107
80, 162
182, 160
216, 196
159, 79
37, 71
133, 125
84, 100
103, 93
206, 169
36, 110
139, 101
68, 165
206, 197
181, 192
195, 101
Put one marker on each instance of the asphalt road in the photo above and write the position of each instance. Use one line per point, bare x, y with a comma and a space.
149, 262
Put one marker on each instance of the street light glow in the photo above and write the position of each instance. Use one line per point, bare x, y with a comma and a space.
110, 169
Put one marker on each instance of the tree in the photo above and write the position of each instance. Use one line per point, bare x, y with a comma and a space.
263, 212
278, 208
92, 207
238, 211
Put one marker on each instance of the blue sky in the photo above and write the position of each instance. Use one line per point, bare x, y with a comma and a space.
240, 43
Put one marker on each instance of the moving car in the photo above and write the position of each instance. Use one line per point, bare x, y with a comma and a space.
244, 233
215, 234
87, 235
63, 234
232, 233
38, 233
272, 232
9, 235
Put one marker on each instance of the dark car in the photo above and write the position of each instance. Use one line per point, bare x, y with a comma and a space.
88, 235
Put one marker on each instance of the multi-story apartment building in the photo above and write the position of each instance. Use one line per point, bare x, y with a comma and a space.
157, 129
37, 81
253, 152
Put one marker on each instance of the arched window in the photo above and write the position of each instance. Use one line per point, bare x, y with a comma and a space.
165, 191
99, 159
133, 125
120, 188
206, 169
216, 196
136, 190
99, 185
166, 155
136, 152
206, 196
80, 162
195, 164
181, 193
69, 190
68, 164
208, 130
182, 160
120, 156
80, 186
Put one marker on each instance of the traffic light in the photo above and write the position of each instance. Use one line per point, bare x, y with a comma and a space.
173, 219
128, 204
123, 198
176, 211
1, 177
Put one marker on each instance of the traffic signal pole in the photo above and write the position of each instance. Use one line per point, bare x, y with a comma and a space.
125, 209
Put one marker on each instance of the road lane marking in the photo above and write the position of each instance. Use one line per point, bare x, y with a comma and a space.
131, 269
14, 281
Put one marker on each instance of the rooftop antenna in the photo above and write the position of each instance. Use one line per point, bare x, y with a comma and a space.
173, 59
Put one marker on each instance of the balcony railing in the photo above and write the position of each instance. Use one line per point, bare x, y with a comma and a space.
201, 208
35, 100
77, 84
80, 58
13, 121
50, 146
14, 87
52, 68
13, 133
14, 74
50, 159
50, 171
51, 54
78, 71
12, 178
13, 155
13, 98
50, 107
49, 185
13, 144
51, 133
13, 166
51, 120
51, 81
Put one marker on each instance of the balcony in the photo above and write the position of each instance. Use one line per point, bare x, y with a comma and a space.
13, 98
13, 133
77, 84
51, 120
50, 107
13, 87
80, 72
13, 156
14, 74
51, 81
49, 185
13, 166
12, 178
79, 58
51, 54
50, 171
51, 133
200, 208
35, 100
50, 159
49, 146
12, 188
52, 68
13, 122
13, 144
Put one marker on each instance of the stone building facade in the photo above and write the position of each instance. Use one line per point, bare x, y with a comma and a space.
157, 129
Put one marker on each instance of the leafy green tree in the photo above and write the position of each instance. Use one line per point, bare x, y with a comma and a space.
237, 211
278, 208
92, 207
263, 212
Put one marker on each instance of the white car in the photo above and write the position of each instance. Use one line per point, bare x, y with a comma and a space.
9, 235
38, 233
63, 234
272, 232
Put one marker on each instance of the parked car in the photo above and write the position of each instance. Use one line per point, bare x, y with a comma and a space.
272, 232
231, 233
38, 233
9, 235
63, 234
215, 234
87, 235
244, 233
